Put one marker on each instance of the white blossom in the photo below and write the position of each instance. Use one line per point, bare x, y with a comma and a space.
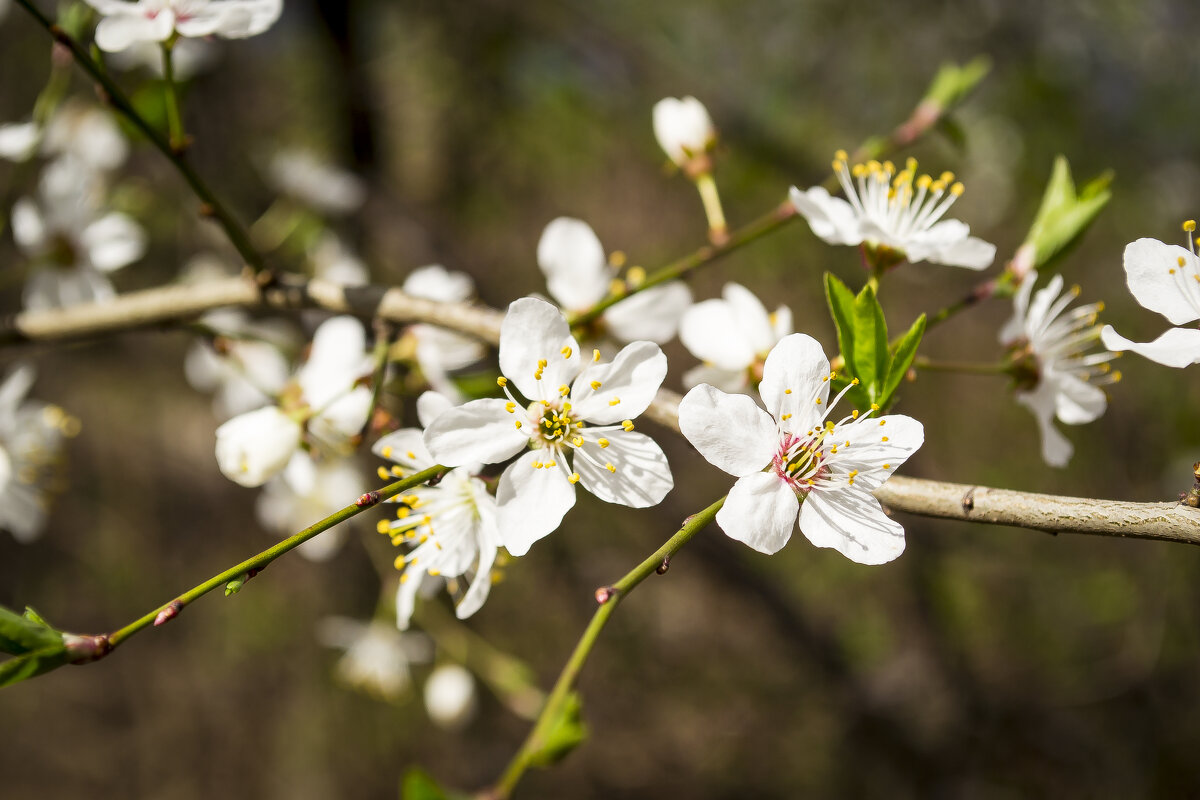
377, 655
321, 186
308, 490
1164, 278
128, 23
73, 245
576, 428
19, 140
253, 447
332, 260
247, 371
732, 336
794, 462
439, 351
579, 275
450, 696
683, 128
189, 57
1060, 378
451, 529
898, 215
31, 437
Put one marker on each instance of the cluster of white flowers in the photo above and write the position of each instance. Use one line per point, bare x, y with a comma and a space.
125, 24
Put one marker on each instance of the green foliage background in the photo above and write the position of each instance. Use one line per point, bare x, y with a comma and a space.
985, 663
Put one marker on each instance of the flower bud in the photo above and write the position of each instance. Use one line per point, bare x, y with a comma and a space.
253, 447
450, 696
683, 128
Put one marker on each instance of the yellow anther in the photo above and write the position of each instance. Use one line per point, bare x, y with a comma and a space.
510, 407
858, 170
957, 189
786, 417
402, 513
573, 477
617, 258
828, 424
550, 464
397, 472
874, 406
537, 465
885, 439
874, 166
434, 571
564, 390
787, 391
602, 442
841, 155
838, 166
517, 423
853, 472
616, 286
1182, 261
911, 165
883, 422
383, 526
889, 166
595, 385
946, 176
1116, 376
383, 473
1075, 290
924, 181
542, 363
854, 414
1189, 225
810, 482
887, 466
614, 401
636, 276
937, 187
610, 468
1100, 306
854, 382
595, 355
502, 381
386, 452
627, 425
566, 351
1171, 270
577, 441
411, 456
818, 401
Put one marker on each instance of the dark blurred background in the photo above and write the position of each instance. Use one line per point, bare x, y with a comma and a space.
985, 663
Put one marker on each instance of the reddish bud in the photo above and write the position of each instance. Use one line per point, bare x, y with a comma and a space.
367, 500
604, 594
169, 613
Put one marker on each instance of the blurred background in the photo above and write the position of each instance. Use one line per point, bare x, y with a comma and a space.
985, 663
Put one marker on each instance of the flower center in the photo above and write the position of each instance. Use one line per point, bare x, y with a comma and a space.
898, 202
555, 422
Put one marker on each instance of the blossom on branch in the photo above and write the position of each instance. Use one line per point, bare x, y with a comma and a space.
1164, 278
1056, 376
128, 23
576, 428
794, 462
579, 275
439, 351
451, 529
683, 128
732, 336
895, 215
377, 656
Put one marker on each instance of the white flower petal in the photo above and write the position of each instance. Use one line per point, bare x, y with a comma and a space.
481, 431
710, 332
131, 24
682, 127
532, 500
534, 331
729, 430
113, 241
253, 447
435, 282
625, 387
653, 314
641, 478
430, 406
573, 261
28, 226
1178, 347
487, 534
731, 381
970, 253
18, 141
832, 219
760, 512
795, 376
1056, 449
877, 447
1076, 402
1161, 278
851, 522
406, 447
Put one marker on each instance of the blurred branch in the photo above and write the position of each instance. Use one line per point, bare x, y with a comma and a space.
211, 206
533, 749
1165, 521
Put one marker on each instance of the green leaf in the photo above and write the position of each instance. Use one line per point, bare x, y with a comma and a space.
952, 82
565, 733
870, 347
902, 357
1064, 216
417, 784
32, 664
841, 307
21, 634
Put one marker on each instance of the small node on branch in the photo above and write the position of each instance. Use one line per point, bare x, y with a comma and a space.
170, 612
181, 147
1191, 498
206, 210
367, 500
604, 594
662, 568
85, 649
968, 500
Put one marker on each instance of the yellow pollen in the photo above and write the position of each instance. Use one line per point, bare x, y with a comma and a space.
383, 526
924, 181
577, 441
502, 381
854, 382
1171, 270
1100, 306
858, 170
386, 452
610, 468
1075, 290
1190, 225
787, 391
883, 422
617, 258
1181, 261
537, 465
602, 442
383, 473
566, 352
786, 417
573, 477
595, 355
615, 286
854, 414
614, 401
595, 385
397, 472
841, 155
411, 456
1116, 376
434, 571
542, 363
510, 407
402, 513
818, 401
517, 423
550, 464
627, 425
810, 482
884, 439
874, 406
636, 276
828, 424
937, 187
887, 466
824, 379
957, 189
564, 390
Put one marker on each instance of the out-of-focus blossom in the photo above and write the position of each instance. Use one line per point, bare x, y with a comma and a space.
72, 243
450, 696
333, 261
19, 140
732, 336
1058, 377
246, 368
306, 491
1164, 278
302, 176
128, 23
896, 215
439, 351
793, 462
253, 447
377, 655
189, 58
683, 128
31, 436
578, 426
451, 529
579, 275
